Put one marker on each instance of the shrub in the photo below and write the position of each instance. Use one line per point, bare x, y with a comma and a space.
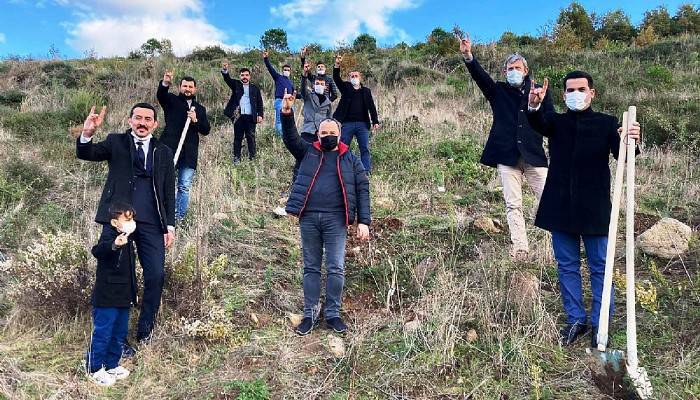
78, 103
62, 73
12, 98
29, 177
659, 75
462, 160
208, 53
36, 124
52, 276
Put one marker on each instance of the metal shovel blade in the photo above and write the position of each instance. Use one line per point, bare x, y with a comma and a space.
607, 370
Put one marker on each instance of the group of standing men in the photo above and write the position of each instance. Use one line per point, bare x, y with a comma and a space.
140, 204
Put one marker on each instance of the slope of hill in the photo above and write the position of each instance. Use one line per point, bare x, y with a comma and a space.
436, 308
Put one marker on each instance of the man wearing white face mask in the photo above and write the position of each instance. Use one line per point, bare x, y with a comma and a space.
512, 146
331, 90
282, 81
575, 202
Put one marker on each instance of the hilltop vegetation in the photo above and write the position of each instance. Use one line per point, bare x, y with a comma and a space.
434, 304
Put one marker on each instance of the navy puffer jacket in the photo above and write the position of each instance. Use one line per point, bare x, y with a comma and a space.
350, 170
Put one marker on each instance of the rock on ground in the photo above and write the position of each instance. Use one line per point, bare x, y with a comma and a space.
668, 238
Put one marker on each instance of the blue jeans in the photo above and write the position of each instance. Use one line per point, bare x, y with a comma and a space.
323, 232
361, 130
567, 251
278, 117
185, 175
110, 327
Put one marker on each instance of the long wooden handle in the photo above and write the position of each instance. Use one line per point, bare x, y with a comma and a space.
182, 138
604, 317
629, 259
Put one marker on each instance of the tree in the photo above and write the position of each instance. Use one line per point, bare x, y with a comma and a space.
659, 19
578, 22
207, 53
686, 20
154, 47
274, 39
508, 39
646, 36
365, 42
440, 42
616, 26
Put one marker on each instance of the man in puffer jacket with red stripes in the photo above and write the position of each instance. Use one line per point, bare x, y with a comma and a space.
330, 193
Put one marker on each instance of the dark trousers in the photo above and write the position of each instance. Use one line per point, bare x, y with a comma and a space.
110, 326
244, 127
567, 251
309, 138
150, 247
361, 131
323, 233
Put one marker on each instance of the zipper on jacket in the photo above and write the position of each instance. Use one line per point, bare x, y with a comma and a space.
345, 195
313, 181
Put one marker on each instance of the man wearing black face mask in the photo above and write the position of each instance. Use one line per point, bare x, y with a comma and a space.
330, 192
177, 111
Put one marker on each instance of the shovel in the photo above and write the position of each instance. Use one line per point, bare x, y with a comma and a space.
608, 363
182, 138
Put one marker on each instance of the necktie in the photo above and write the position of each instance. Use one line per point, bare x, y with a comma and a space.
140, 153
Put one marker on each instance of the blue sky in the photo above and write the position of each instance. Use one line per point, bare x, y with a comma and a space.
113, 27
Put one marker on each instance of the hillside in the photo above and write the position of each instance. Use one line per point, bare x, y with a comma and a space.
436, 307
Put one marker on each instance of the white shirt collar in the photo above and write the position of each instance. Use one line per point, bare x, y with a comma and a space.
144, 140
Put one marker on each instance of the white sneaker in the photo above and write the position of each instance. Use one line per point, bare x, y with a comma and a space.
102, 378
119, 372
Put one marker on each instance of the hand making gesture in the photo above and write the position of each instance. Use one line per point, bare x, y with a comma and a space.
537, 94
288, 102
465, 46
93, 121
338, 60
168, 77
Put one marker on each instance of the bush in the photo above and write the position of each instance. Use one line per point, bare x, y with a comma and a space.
208, 53
659, 75
12, 98
78, 103
52, 276
462, 160
62, 73
36, 124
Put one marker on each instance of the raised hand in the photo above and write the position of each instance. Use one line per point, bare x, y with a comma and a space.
338, 60
288, 101
93, 121
224, 66
265, 54
465, 45
537, 94
304, 51
168, 77
121, 240
307, 69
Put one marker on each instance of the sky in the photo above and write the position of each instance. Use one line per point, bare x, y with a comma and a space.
105, 28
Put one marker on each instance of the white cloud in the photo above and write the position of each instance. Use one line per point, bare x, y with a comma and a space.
2, 38
334, 21
115, 27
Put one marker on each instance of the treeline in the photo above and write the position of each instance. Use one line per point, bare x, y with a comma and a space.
575, 29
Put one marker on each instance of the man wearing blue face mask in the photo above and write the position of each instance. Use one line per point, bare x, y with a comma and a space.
575, 202
512, 146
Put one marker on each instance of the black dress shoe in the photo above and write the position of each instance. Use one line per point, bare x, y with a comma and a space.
571, 332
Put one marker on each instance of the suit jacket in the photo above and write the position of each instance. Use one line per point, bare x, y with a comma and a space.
119, 151
511, 136
346, 89
256, 102
175, 109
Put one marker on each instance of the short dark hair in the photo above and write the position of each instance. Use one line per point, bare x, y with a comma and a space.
244, 69
144, 105
286, 66
119, 208
188, 79
319, 63
577, 75
320, 79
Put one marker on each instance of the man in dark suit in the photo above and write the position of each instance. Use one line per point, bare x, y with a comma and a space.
576, 204
141, 172
513, 147
356, 111
245, 108
177, 110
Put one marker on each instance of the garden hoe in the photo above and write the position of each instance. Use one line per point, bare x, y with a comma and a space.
607, 366
182, 138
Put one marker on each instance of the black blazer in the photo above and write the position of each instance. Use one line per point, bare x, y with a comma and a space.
175, 109
256, 102
576, 196
115, 277
119, 151
346, 89
511, 135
